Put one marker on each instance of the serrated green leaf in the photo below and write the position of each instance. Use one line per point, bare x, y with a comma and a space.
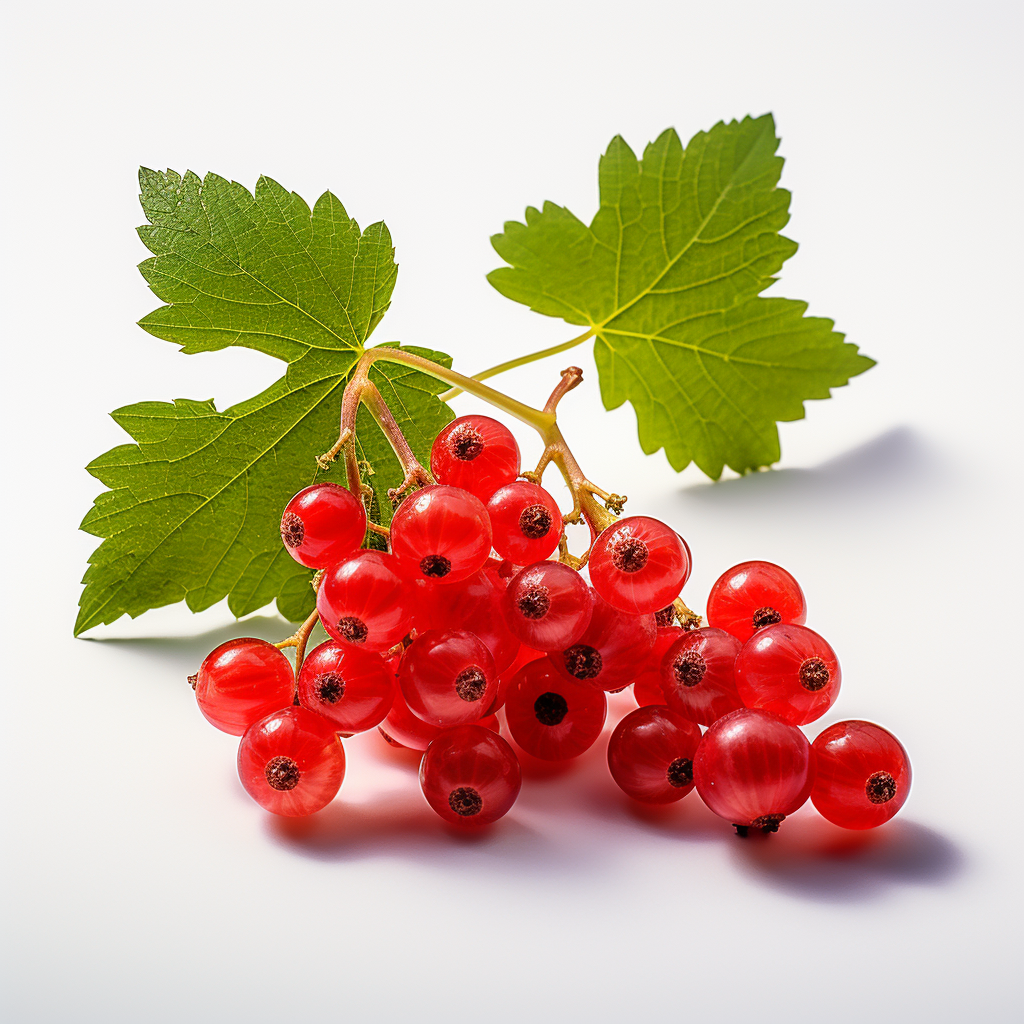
193, 507
668, 277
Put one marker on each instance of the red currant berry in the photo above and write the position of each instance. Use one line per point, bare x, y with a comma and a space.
698, 675
476, 453
448, 678
550, 716
753, 770
525, 656
647, 683
291, 762
788, 671
474, 605
241, 681
354, 689
470, 776
614, 643
639, 565
752, 595
441, 534
322, 524
402, 728
548, 606
525, 521
863, 775
364, 601
650, 754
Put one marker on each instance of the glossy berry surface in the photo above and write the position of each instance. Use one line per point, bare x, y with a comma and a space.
470, 775
241, 681
789, 671
402, 728
352, 688
698, 675
476, 453
650, 754
548, 606
525, 522
448, 677
291, 762
647, 682
365, 601
551, 716
863, 774
639, 565
752, 595
607, 654
753, 770
441, 534
322, 524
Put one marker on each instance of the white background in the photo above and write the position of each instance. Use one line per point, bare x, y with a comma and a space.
142, 885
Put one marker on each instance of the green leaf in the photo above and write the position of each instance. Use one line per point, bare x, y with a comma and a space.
668, 278
194, 505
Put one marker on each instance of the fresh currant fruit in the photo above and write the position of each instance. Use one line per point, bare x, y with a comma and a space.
476, 453
470, 776
611, 647
322, 524
474, 605
354, 689
698, 675
551, 716
441, 534
752, 595
647, 682
548, 606
525, 656
448, 677
639, 565
402, 728
525, 521
650, 754
365, 601
291, 762
753, 770
863, 775
242, 681
788, 671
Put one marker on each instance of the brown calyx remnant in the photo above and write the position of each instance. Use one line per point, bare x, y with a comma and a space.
282, 773
665, 616
193, 680
534, 522
353, 630
435, 566
768, 822
465, 801
765, 617
814, 675
680, 772
880, 787
550, 708
689, 668
534, 602
630, 555
330, 687
293, 530
470, 683
465, 443
583, 662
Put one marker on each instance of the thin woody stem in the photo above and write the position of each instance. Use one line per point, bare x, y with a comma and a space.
299, 639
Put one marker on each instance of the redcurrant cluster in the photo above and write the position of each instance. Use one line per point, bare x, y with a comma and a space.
466, 615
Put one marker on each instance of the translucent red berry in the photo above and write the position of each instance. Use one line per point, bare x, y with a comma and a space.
402, 728
789, 671
476, 453
753, 770
550, 716
470, 775
448, 677
352, 688
525, 522
365, 601
863, 774
650, 754
698, 675
291, 762
647, 682
441, 534
548, 606
241, 681
639, 565
322, 524
752, 595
